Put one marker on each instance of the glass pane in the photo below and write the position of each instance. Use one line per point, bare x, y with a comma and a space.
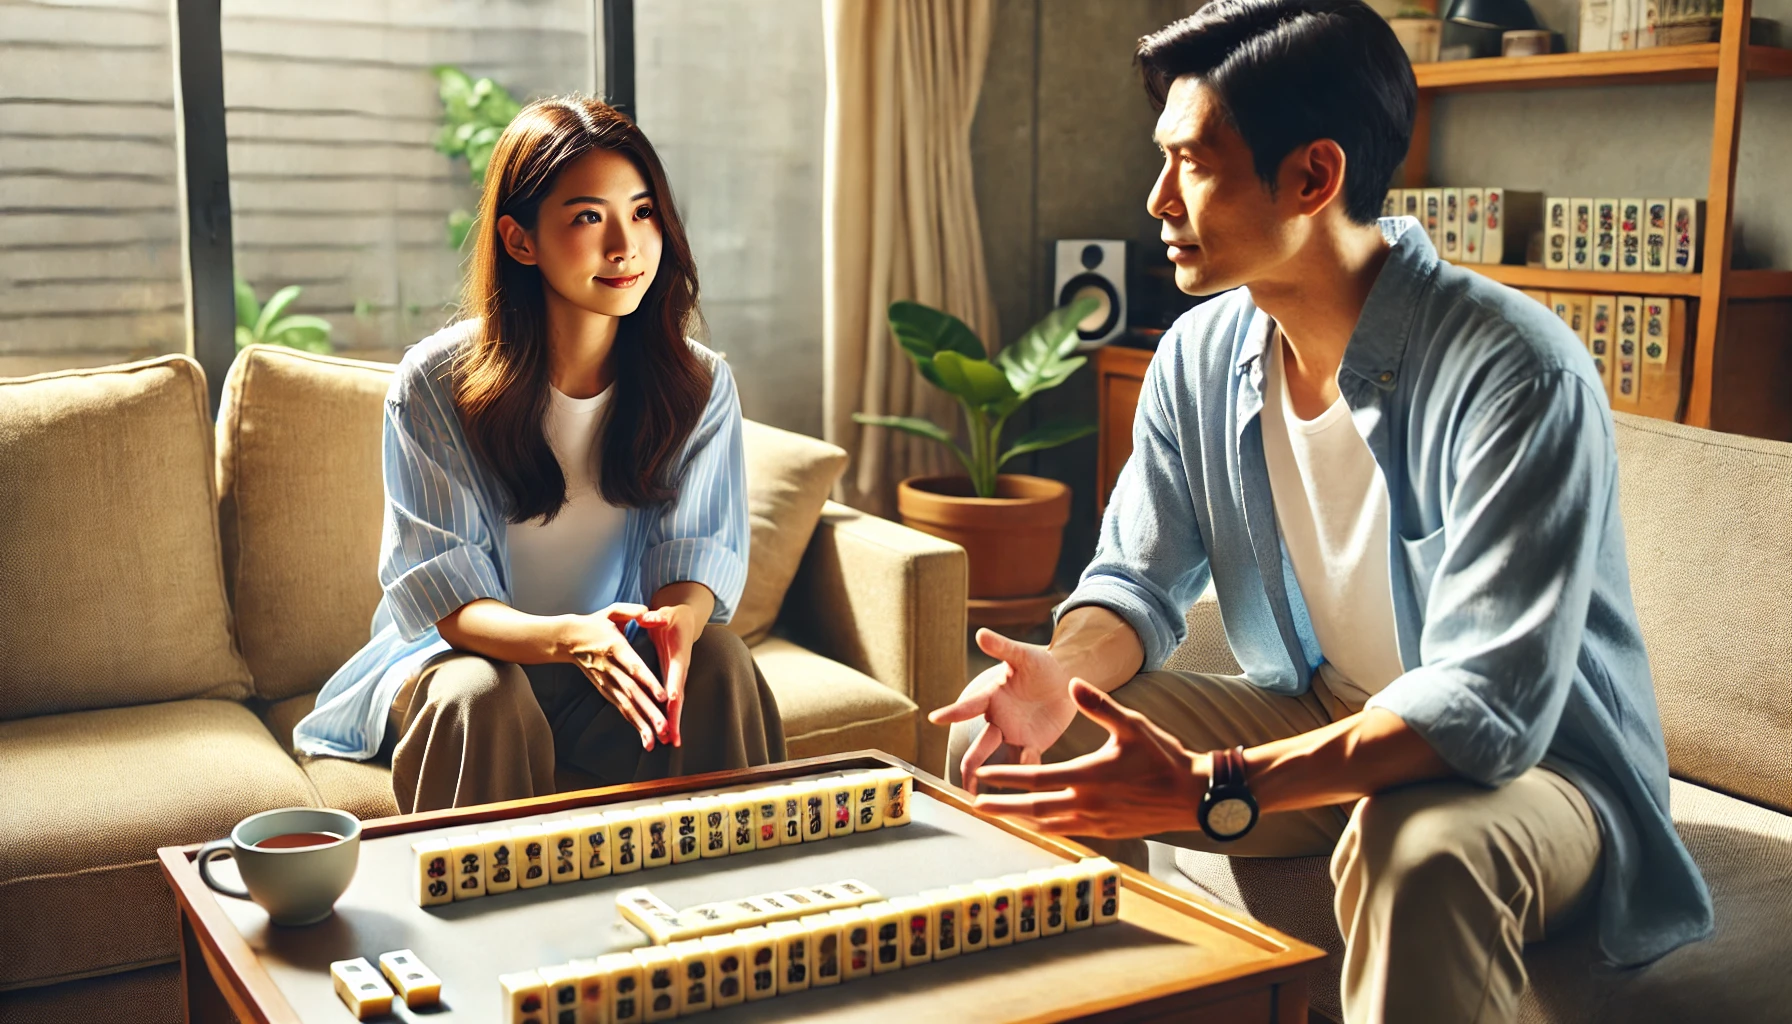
90, 262
733, 95
335, 181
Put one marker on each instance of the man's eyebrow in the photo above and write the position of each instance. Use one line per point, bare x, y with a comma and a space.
576, 200
1186, 142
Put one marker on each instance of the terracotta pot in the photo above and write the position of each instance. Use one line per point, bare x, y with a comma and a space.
1012, 539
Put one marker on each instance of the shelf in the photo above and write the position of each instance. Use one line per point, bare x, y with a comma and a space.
1759, 284
1683, 285
1661, 64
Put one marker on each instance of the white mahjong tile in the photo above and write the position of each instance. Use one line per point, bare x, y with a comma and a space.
793, 955
500, 860
562, 984
432, 872
867, 801
696, 976
595, 845
759, 953
625, 830
525, 998
841, 800
887, 939
817, 802
790, 814
973, 918
624, 974
531, 854
1052, 901
856, 942
563, 852
361, 988
945, 905
687, 840
656, 836
1002, 909
729, 957
898, 795
1026, 906
765, 817
1079, 898
647, 912
715, 825
467, 860
659, 969
414, 982
743, 833
1107, 889
594, 991
918, 922
826, 963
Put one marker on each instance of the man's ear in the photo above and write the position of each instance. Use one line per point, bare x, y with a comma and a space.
516, 240
1314, 174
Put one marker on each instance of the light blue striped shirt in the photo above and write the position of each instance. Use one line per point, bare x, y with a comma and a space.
1506, 552
443, 541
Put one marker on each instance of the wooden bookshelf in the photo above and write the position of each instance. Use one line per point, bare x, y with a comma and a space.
1738, 363
1695, 63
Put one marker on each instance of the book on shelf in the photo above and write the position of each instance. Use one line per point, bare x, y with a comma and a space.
1601, 314
1630, 236
1655, 235
1556, 232
1472, 199
1596, 25
1664, 327
1605, 235
1450, 225
1686, 222
1508, 219
1580, 234
1624, 379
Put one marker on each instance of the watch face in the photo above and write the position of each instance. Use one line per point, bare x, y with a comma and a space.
1229, 817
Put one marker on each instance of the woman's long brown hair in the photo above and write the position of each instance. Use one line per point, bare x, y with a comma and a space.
501, 375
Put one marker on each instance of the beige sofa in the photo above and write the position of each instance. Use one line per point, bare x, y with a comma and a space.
174, 595
1708, 524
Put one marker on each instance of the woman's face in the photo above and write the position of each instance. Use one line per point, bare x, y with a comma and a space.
596, 237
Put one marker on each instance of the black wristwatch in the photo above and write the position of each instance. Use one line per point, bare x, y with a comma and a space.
1228, 810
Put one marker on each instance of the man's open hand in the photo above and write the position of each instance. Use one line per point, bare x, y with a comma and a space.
1142, 781
1025, 699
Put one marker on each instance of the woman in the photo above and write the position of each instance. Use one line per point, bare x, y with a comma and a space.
563, 469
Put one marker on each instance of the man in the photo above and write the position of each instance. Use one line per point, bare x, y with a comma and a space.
1400, 478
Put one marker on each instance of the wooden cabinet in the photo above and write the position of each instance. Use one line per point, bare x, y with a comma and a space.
1119, 373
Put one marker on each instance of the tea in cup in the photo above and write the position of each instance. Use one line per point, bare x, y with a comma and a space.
295, 862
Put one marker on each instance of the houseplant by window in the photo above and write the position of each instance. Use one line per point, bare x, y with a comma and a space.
1010, 525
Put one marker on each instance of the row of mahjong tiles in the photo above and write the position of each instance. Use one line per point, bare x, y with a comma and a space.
660, 982
525, 856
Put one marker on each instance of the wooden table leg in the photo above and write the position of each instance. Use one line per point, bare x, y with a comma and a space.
201, 998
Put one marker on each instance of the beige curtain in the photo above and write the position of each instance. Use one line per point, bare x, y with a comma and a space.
899, 221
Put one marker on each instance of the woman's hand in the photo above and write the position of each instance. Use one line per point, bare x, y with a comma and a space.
1141, 782
1025, 700
674, 628
601, 650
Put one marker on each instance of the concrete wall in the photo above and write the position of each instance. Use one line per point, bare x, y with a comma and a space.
732, 93
1062, 149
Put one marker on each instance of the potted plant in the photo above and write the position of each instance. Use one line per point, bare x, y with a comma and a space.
1010, 525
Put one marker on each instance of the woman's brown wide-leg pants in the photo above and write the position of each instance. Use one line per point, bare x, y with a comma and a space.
471, 730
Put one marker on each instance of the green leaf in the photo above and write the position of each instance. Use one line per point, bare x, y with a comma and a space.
300, 322
1037, 360
916, 426
1049, 436
977, 381
243, 338
247, 309
923, 331
276, 306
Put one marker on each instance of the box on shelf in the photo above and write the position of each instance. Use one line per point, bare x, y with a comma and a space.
1605, 235
1451, 225
1630, 236
1557, 230
1686, 223
1472, 199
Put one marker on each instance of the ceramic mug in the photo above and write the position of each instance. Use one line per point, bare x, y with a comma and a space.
295, 884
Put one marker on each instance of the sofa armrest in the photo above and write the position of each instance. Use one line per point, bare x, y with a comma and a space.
1206, 649
888, 601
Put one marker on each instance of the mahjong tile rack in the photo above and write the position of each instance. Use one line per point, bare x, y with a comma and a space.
1166, 955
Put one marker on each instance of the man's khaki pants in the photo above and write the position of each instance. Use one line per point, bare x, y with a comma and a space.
1439, 884
470, 730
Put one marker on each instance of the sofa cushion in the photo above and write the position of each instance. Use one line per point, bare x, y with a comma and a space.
300, 505
152, 994
788, 480
362, 788
1708, 529
89, 797
1743, 850
828, 708
109, 555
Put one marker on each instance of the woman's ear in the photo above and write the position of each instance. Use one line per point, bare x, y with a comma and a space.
516, 241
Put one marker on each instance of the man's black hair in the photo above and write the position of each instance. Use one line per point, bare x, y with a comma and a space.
1289, 72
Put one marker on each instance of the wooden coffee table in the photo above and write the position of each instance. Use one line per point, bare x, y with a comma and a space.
1167, 958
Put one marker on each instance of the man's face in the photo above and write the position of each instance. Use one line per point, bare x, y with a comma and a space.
1223, 227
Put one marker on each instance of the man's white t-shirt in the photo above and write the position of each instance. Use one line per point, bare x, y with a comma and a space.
551, 564
1332, 506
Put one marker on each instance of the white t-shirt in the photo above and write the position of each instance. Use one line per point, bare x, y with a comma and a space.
551, 564
1332, 507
